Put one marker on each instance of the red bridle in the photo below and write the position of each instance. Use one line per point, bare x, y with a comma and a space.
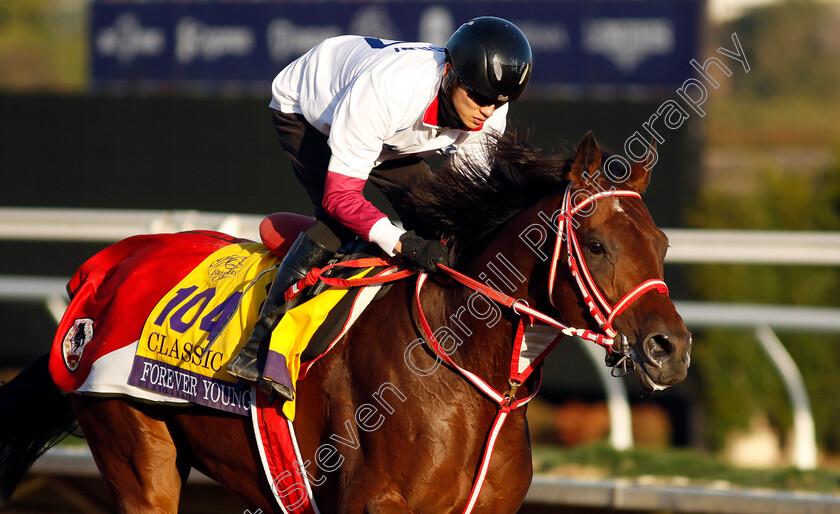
600, 309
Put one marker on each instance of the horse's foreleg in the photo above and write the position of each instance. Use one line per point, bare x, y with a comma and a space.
134, 452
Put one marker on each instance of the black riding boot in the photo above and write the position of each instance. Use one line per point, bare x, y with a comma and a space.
305, 254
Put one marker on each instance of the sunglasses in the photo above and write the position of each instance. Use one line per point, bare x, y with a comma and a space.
478, 98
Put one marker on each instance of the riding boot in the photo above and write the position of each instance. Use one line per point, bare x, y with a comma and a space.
305, 254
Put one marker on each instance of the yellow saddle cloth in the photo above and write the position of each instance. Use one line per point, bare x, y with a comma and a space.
203, 322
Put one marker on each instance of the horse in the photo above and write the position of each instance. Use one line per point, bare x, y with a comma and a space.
424, 447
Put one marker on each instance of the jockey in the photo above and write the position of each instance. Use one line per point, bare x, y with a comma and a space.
354, 109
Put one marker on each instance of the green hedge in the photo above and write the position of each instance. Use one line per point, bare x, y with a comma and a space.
737, 379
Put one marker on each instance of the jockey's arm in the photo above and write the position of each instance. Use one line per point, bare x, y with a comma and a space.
344, 201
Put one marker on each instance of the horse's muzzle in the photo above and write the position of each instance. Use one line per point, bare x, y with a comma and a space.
663, 359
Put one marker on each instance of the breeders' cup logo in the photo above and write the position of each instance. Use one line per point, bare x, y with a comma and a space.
225, 267
75, 341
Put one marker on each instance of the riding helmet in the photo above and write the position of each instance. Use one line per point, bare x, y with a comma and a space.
491, 56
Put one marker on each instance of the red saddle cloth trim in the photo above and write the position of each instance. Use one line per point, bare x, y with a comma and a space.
284, 468
118, 287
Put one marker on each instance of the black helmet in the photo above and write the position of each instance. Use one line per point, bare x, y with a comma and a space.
492, 57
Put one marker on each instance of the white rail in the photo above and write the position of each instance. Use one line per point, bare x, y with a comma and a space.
804, 433
104, 225
687, 246
754, 247
641, 494
618, 405
748, 316
644, 495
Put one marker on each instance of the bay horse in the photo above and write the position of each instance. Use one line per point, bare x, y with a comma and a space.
426, 450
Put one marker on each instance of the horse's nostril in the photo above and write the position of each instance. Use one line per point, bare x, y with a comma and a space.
658, 348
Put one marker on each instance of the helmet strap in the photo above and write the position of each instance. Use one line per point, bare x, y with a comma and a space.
447, 81
446, 113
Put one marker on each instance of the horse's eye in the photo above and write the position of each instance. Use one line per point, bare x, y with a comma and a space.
596, 247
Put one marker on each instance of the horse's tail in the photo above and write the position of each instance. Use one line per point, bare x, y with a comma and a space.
34, 417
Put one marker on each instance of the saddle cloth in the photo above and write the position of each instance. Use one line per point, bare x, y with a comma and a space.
167, 311
200, 323
148, 307
205, 320
111, 295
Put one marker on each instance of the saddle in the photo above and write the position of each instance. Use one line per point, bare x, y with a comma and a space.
278, 232
330, 329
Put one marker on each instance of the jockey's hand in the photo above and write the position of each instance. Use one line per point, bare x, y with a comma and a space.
424, 253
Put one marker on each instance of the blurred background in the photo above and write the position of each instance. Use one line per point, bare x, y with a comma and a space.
161, 107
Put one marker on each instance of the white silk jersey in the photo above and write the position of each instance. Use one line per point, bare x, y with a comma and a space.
372, 97
375, 100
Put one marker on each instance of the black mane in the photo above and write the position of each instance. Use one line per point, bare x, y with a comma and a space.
467, 204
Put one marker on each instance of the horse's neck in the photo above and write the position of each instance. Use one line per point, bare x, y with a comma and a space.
510, 265
510, 258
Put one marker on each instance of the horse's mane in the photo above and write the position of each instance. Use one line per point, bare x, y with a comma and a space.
466, 203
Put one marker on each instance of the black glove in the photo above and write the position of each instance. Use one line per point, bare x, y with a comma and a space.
425, 253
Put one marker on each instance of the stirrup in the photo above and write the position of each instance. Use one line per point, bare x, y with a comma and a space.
304, 254
275, 390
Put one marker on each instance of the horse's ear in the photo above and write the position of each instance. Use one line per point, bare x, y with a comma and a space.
587, 159
640, 171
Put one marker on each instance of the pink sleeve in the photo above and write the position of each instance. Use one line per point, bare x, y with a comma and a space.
343, 200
